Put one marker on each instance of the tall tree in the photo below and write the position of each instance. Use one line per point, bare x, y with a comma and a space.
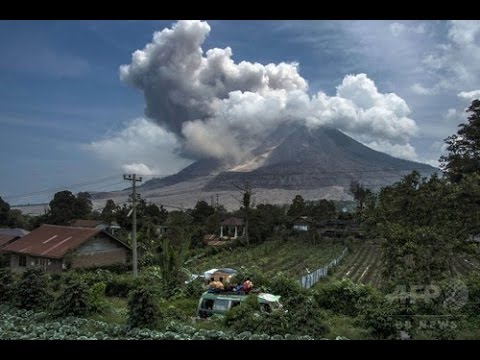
297, 208
83, 205
201, 212
464, 147
360, 194
108, 212
4, 211
62, 208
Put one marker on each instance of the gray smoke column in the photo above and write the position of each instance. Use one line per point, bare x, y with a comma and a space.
221, 109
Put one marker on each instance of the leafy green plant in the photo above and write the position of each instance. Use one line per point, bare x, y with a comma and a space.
142, 309
7, 284
120, 286
32, 291
243, 317
97, 297
74, 299
346, 297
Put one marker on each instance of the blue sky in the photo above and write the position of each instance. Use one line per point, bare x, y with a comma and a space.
67, 118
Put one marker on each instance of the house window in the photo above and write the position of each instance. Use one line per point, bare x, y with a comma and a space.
22, 261
41, 261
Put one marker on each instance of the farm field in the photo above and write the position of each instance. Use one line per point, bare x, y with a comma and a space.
292, 257
363, 265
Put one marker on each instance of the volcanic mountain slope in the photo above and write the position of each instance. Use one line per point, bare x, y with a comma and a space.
307, 159
293, 160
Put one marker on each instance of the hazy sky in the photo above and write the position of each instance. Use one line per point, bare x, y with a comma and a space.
84, 101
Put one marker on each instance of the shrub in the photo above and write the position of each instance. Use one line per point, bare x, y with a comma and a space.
74, 299
307, 319
346, 297
142, 309
7, 285
289, 289
243, 317
180, 309
32, 292
194, 289
120, 286
96, 294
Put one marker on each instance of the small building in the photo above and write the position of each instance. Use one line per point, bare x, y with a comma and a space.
57, 248
162, 230
231, 228
97, 224
302, 223
336, 228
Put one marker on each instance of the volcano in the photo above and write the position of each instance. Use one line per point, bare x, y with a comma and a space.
296, 158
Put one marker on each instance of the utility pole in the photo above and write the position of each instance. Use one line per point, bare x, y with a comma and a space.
247, 194
217, 202
133, 178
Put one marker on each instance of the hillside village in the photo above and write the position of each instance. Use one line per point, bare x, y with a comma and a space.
239, 180
305, 270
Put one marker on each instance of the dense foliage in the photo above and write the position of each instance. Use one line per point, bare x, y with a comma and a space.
142, 309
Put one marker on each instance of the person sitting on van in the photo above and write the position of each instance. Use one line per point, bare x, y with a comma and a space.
217, 285
247, 286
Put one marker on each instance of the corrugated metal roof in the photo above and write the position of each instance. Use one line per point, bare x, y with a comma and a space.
87, 223
232, 221
14, 232
5, 239
52, 241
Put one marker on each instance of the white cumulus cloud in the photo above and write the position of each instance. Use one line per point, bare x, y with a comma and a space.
141, 147
405, 151
139, 169
469, 95
419, 89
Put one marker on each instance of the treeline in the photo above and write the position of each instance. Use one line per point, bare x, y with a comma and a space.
424, 222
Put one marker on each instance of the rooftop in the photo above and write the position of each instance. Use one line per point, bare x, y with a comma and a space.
52, 241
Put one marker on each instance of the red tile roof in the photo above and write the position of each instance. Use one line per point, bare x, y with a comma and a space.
87, 223
52, 241
232, 221
5, 239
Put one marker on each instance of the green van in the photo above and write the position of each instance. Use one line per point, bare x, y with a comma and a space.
219, 303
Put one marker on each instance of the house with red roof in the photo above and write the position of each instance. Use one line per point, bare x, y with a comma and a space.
56, 248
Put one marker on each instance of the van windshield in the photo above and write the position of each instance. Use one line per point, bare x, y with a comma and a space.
220, 305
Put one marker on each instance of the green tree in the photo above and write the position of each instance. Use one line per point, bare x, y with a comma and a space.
16, 219
201, 212
297, 208
157, 215
142, 309
464, 147
108, 212
74, 299
32, 290
4, 211
62, 208
83, 205
360, 194
322, 209
7, 286
173, 251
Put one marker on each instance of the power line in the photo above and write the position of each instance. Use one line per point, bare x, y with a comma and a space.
58, 188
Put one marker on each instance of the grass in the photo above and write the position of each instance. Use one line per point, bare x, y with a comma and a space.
345, 326
115, 313
292, 257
